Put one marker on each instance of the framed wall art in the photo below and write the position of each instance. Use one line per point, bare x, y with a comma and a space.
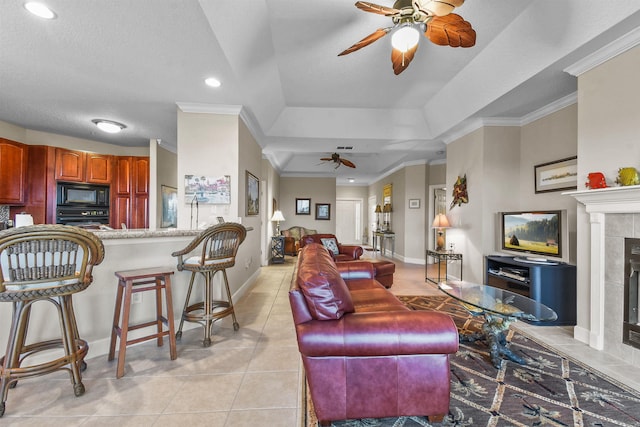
558, 175
253, 194
323, 211
207, 189
414, 203
169, 206
303, 206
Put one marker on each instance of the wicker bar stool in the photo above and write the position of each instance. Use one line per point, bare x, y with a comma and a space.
45, 263
218, 247
131, 282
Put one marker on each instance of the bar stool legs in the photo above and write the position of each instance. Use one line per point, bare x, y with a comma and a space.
129, 283
209, 310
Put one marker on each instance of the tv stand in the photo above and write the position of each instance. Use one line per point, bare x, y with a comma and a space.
550, 283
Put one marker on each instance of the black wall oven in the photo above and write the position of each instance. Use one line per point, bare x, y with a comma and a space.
84, 205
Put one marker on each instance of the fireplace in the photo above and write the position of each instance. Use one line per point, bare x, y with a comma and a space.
631, 323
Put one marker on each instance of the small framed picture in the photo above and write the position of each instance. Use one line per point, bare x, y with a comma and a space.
414, 203
558, 175
253, 194
303, 206
323, 211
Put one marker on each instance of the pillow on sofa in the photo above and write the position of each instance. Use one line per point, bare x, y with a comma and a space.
326, 293
331, 244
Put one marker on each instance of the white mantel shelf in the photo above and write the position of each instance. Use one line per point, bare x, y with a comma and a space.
609, 200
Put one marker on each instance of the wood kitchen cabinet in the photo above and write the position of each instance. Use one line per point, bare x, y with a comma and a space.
79, 166
13, 172
130, 192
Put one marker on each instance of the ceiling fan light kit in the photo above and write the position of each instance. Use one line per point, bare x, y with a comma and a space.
405, 37
412, 17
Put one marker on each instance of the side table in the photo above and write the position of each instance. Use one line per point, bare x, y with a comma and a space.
277, 249
440, 256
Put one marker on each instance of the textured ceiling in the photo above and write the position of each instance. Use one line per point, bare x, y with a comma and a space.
134, 61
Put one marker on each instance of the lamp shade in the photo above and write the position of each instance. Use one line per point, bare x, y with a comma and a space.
277, 216
441, 221
378, 209
386, 208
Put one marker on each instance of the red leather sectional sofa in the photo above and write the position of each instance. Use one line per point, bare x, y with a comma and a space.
365, 354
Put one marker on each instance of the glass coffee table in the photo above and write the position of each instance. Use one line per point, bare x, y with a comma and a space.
499, 308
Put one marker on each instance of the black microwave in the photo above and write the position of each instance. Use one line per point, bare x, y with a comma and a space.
85, 195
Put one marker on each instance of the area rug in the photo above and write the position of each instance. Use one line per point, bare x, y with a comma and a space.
553, 389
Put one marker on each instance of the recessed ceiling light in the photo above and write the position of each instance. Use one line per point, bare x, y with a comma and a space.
213, 82
108, 126
39, 10
352, 180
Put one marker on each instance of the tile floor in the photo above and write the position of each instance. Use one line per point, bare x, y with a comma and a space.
246, 378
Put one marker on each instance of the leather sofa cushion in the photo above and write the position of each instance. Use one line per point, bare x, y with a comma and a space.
324, 290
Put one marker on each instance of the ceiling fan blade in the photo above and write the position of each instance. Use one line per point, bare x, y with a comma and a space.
380, 32
439, 7
402, 60
326, 159
347, 163
376, 8
451, 30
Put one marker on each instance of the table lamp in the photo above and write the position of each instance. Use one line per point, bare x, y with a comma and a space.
378, 212
277, 217
440, 222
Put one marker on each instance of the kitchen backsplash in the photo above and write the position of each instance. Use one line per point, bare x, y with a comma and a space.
4, 214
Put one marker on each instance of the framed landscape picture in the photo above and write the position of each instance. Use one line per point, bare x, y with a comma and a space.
558, 175
323, 211
253, 194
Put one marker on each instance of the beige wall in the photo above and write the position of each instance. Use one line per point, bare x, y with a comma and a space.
415, 227
464, 156
216, 145
166, 174
608, 129
319, 190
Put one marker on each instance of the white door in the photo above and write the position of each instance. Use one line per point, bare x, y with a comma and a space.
349, 221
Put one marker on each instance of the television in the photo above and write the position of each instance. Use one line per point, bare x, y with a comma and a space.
534, 236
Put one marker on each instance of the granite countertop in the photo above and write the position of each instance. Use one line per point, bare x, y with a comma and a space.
143, 233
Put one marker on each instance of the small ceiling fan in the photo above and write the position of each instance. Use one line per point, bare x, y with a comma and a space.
412, 17
335, 157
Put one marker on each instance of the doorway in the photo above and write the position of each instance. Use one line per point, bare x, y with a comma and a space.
349, 221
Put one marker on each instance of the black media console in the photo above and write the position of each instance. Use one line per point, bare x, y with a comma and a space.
552, 284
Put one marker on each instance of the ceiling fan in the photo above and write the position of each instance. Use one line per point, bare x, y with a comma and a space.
412, 17
335, 157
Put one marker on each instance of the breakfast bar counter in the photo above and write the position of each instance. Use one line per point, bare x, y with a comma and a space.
126, 250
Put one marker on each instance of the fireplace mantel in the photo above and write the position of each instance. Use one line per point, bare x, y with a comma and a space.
598, 203
609, 200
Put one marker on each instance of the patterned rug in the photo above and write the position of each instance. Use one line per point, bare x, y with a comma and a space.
551, 390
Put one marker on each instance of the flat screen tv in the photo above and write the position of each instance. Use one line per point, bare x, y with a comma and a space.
535, 236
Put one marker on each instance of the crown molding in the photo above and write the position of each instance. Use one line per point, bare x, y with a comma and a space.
613, 49
548, 109
195, 107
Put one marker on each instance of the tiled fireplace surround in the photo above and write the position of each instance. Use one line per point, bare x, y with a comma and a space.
614, 214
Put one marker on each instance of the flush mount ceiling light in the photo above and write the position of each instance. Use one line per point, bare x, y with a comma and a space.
108, 126
213, 82
39, 10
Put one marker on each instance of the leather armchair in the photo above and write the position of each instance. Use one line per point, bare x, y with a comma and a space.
345, 252
365, 354
292, 237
